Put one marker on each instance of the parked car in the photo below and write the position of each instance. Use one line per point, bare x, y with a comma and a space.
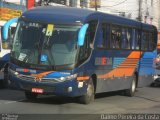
156, 82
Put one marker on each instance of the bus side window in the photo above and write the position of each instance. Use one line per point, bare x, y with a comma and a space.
7, 44
145, 41
116, 36
85, 50
92, 30
151, 41
129, 38
0, 37
126, 38
106, 35
136, 39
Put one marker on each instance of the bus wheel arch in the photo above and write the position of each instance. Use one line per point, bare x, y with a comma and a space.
30, 96
4, 83
90, 94
136, 74
94, 79
131, 91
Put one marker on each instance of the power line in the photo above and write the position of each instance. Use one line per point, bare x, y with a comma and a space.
116, 4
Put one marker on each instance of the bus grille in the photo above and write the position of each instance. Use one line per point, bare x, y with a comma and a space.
34, 79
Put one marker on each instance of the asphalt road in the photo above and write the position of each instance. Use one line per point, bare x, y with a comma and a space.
145, 101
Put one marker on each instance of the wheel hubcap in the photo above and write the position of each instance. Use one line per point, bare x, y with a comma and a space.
133, 86
89, 90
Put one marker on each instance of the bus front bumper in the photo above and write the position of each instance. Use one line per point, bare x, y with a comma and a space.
67, 88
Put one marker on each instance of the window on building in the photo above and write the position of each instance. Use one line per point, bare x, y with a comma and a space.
83, 3
95, 3
63, 2
73, 3
151, 2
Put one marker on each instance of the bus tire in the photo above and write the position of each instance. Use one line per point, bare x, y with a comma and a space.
131, 91
89, 96
5, 79
30, 95
4, 82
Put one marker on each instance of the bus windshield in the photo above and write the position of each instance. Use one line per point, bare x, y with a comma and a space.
45, 44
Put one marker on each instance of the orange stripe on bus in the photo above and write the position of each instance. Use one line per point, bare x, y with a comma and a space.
126, 68
40, 75
135, 54
83, 78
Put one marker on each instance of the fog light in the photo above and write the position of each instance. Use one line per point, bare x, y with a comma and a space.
80, 84
9, 82
155, 77
69, 89
16, 73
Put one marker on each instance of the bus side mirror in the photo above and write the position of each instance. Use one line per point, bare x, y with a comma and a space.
81, 34
6, 27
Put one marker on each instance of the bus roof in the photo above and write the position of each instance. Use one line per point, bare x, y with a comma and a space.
70, 15
54, 14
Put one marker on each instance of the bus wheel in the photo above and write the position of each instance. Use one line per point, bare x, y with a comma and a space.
89, 96
6, 79
30, 95
4, 82
131, 91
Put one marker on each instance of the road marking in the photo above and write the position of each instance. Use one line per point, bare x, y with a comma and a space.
9, 102
149, 99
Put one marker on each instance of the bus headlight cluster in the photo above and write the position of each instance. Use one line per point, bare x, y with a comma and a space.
155, 77
13, 72
68, 77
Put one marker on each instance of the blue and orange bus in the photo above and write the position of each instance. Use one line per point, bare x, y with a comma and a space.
78, 53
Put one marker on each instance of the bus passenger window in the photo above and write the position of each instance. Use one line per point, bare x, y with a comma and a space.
151, 41
135, 38
138, 40
144, 42
129, 38
126, 38
92, 30
106, 35
115, 37
85, 50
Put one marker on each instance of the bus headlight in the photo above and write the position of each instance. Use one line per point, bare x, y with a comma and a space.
68, 77
155, 77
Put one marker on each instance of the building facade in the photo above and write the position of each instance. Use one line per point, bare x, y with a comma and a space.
147, 11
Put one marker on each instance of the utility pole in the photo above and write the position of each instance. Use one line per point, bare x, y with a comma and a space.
95, 5
139, 18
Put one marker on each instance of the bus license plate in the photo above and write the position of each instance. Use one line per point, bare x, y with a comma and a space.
37, 90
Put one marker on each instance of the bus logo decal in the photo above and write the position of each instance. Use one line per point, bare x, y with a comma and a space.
103, 61
37, 79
